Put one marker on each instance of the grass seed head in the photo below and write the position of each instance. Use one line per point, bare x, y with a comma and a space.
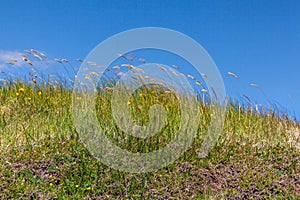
233, 75
198, 83
38, 57
10, 63
203, 75
254, 85
142, 60
43, 55
58, 60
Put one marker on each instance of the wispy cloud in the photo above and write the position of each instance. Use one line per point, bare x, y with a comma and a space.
10, 56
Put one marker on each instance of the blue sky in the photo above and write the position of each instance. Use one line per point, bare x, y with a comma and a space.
257, 40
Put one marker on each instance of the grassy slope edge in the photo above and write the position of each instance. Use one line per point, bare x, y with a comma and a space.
41, 156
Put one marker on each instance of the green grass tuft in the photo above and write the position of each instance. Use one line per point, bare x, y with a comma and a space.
41, 155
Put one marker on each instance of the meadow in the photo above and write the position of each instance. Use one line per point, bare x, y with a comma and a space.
43, 157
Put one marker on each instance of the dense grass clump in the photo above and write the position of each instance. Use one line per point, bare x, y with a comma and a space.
257, 155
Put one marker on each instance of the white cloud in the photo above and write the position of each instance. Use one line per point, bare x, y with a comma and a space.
7, 56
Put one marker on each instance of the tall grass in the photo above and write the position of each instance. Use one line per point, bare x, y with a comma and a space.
42, 156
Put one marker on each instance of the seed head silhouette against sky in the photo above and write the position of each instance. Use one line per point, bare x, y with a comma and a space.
259, 41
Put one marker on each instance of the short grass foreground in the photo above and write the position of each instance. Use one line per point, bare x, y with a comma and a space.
41, 155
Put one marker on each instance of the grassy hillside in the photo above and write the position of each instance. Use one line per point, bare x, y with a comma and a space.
257, 155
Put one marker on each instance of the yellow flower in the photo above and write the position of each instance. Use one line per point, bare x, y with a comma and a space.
17, 94
141, 95
89, 188
21, 90
40, 93
28, 98
76, 186
1, 111
51, 184
128, 103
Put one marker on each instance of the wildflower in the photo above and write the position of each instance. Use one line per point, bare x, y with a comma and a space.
17, 94
28, 98
141, 95
233, 75
51, 184
40, 93
128, 103
76, 186
21, 90
1, 111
